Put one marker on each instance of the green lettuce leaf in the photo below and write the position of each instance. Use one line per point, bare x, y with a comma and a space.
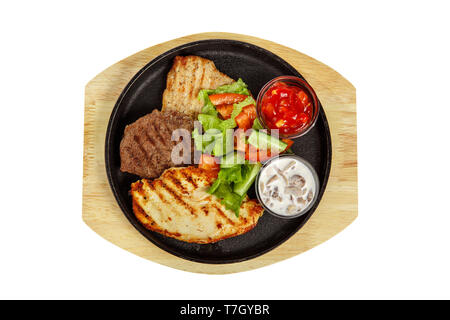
223, 190
239, 87
249, 173
232, 184
209, 121
224, 143
237, 107
205, 142
209, 116
208, 107
216, 142
233, 174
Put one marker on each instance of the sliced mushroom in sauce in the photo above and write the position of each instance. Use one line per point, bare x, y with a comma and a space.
287, 186
289, 166
272, 179
280, 173
301, 201
297, 180
295, 191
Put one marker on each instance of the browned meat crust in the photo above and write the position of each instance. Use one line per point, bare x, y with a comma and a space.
187, 76
181, 208
146, 147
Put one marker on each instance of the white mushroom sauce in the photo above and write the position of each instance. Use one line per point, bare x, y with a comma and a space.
286, 186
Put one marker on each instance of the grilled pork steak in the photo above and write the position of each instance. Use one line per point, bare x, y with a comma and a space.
146, 146
185, 79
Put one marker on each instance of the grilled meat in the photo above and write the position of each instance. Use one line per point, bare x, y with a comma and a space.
187, 76
177, 205
146, 147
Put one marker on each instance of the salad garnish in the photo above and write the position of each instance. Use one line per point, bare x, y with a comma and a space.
233, 142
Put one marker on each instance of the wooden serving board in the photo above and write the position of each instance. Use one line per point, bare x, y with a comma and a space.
337, 209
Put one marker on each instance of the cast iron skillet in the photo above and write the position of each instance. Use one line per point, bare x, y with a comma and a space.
255, 66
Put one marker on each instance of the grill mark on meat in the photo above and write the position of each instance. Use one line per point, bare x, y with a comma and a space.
153, 187
146, 147
150, 185
198, 73
157, 132
160, 139
222, 214
195, 67
149, 139
141, 191
144, 152
164, 128
141, 211
137, 187
177, 81
176, 182
189, 179
192, 69
203, 75
150, 223
198, 79
177, 198
164, 214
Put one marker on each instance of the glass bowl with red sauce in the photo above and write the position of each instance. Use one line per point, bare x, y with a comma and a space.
289, 104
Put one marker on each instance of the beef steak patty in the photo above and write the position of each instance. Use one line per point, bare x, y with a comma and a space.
146, 146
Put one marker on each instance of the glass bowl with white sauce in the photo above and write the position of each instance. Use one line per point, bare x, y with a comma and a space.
287, 186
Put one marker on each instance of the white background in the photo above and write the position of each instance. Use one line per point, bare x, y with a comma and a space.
395, 53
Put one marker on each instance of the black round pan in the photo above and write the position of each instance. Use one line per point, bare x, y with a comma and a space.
255, 66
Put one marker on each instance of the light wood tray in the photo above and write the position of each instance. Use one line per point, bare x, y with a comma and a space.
339, 205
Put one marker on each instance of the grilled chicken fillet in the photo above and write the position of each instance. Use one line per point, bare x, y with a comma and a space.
188, 75
177, 205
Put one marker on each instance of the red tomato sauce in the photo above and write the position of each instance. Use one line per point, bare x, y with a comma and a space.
287, 108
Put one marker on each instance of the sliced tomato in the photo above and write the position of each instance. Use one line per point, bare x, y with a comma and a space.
254, 154
264, 155
226, 98
225, 110
251, 153
245, 118
250, 110
288, 142
243, 121
208, 162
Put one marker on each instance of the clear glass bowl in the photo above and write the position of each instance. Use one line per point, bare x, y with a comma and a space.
291, 81
316, 182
